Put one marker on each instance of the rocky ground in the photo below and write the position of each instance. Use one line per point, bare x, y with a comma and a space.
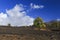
31, 35
13, 33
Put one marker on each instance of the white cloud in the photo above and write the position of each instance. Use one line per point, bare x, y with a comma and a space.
16, 17
34, 6
58, 19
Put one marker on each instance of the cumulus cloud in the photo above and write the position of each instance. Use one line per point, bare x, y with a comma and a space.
16, 17
34, 6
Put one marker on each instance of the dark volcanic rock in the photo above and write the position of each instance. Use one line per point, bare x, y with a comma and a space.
22, 33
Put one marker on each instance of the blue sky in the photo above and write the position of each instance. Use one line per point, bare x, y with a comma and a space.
49, 11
